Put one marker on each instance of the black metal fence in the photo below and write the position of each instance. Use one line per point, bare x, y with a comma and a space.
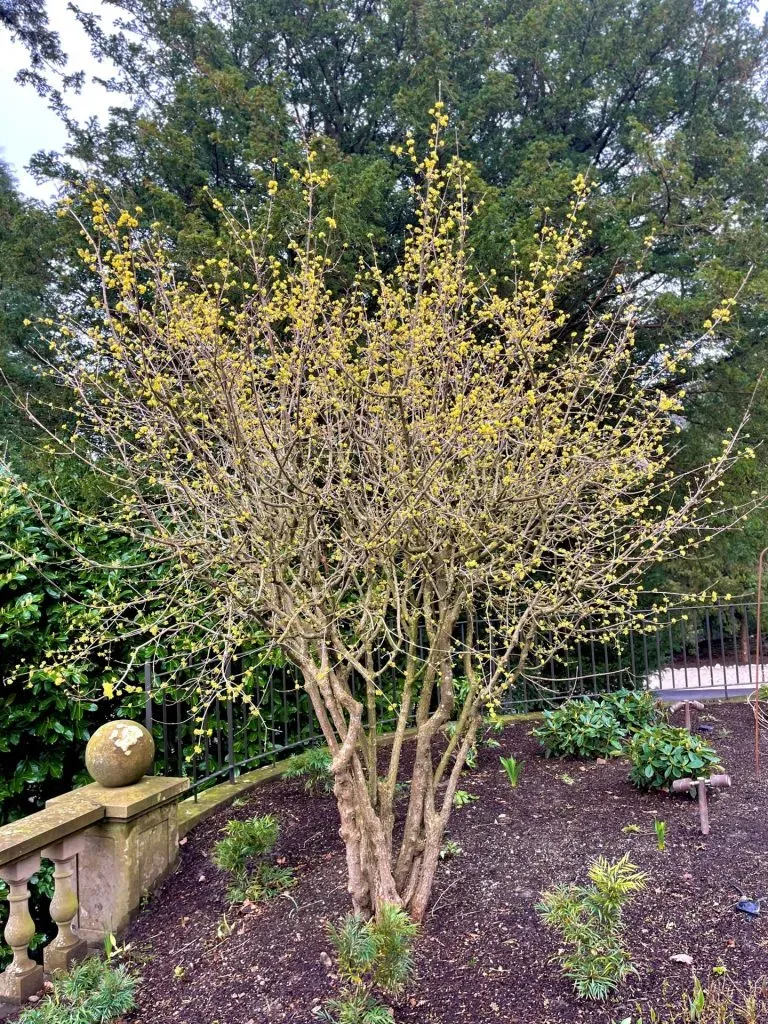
230, 736
712, 650
693, 647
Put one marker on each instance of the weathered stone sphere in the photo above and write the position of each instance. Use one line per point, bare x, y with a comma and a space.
119, 753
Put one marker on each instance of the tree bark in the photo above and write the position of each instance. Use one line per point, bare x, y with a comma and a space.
377, 874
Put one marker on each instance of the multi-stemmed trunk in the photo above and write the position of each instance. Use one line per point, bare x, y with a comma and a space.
381, 870
377, 872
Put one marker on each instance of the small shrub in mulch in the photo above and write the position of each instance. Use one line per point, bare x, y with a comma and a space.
581, 728
93, 992
314, 768
593, 728
661, 754
589, 920
242, 855
371, 955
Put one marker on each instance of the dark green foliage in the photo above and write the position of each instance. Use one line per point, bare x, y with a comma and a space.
45, 600
93, 992
49, 596
581, 728
660, 754
633, 709
314, 766
242, 854
245, 842
588, 918
32, 243
592, 728
374, 954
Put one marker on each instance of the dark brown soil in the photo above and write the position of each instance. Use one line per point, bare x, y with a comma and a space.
484, 954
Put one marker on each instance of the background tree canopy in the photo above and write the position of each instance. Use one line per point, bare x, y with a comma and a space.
661, 102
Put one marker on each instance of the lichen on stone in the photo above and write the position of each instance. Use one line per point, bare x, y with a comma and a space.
125, 737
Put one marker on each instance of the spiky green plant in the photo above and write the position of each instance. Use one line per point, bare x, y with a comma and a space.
589, 920
373, 954
245, 841
93, 992
241, 854
661, 833
513, 768
721, 1002
314, 766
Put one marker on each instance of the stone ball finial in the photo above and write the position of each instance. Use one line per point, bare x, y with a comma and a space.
119, 753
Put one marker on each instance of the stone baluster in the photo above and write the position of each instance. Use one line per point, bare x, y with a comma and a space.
67, 946
23, 977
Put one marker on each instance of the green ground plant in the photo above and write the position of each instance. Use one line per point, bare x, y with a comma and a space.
371, 955
513, 769
461, 798
450, 849
242, 854
660, 754
660, 828
314, 767
588, 919
722, 1002
93, 992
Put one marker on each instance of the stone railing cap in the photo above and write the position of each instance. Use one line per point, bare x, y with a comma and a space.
125, 802
57, 821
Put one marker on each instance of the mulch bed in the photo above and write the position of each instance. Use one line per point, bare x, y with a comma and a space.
484, 954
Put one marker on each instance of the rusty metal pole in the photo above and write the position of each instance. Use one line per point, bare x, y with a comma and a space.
688, 705
698, 787
759, 667
701, 786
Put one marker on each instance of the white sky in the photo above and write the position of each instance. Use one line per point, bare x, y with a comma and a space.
26, 123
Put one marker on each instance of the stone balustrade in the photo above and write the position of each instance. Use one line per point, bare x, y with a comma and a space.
110, 845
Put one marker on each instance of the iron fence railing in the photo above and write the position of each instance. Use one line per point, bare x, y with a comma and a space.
709, 649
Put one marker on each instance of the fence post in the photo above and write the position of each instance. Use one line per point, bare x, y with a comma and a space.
148, 694
230, 719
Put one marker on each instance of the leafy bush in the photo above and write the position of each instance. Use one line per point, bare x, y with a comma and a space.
660, 754
314, 766
44, 600
633, 709
581, 728
589, 920
374, 954
242, 854
93, 992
